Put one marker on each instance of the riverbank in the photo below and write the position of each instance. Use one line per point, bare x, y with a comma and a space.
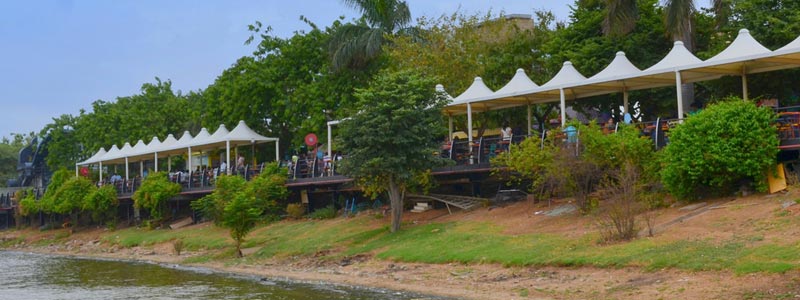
743, 248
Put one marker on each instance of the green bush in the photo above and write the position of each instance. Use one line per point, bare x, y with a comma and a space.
29, 205
102, 203
295, 210
69, 196
719, 147
324, 213
212, 205
48, 201
156, 189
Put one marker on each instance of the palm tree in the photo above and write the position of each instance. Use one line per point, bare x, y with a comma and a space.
354, 45
621, 16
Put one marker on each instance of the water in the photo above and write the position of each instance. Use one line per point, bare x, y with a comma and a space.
44, 277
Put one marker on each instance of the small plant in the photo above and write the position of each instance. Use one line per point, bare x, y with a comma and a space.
177, 246
324, 213
295, 210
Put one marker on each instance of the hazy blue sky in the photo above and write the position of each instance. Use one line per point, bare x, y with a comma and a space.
58, 56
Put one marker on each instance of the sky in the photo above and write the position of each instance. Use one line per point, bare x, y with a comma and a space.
59, 56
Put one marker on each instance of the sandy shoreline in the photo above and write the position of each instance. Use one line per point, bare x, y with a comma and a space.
459, 281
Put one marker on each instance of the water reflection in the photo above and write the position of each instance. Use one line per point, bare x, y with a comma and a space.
51, 277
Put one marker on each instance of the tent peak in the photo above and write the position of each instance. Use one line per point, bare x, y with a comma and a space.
439, 88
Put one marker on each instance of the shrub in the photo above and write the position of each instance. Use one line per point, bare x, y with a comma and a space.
156, 189
240, 216
295, 210
28, 205
719, 147
102, 203
68, 198
212, 205
48, 200
324, 213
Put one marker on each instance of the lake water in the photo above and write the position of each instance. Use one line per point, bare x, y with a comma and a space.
44, 277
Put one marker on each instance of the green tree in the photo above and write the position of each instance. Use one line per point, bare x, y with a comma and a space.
353, 45
64, 148
240, 216
49, 201
268, 187
102, 203
156, 189
392, 137
69, 197
719, 147
212, 206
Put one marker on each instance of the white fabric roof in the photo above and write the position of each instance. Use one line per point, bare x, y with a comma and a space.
619, 67
243, 133
678, 56
202, 140
744, 45
475, 92
95, 158
567, 75
743, 56
520, 82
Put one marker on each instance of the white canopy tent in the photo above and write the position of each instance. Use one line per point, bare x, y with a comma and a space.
743, 56
240, 135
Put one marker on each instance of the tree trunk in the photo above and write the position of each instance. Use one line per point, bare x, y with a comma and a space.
396, 200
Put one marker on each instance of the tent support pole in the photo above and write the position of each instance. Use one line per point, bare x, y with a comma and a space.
625, 101
529, 119
155, 161
141, 168
330, 137
127, 177
76, 170
679, 91
101, 172
189, 162
169, 164
563, 107
745, 95
449, 127
469, 130
277, 158
228, 157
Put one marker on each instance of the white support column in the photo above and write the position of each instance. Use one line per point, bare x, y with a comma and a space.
625, 101
141, 168
169, 164
449, 127
469, 131
277, 148
563, 108
679, 90
529, 119
127, 177
469, 124
228, 157
745, 95
155, 163
330, 138
101, 172
189, 161
76, 170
